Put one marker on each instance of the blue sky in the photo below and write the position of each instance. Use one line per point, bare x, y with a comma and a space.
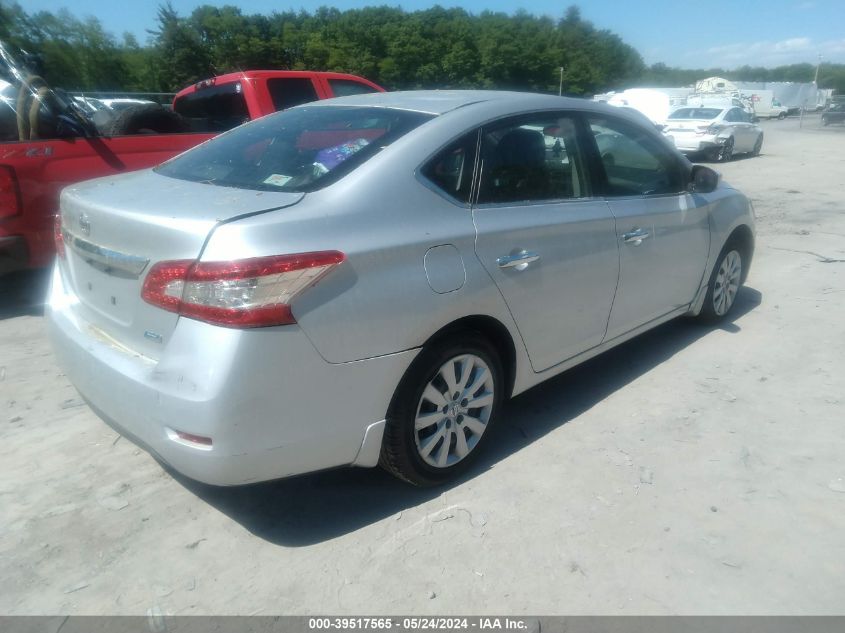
705, 33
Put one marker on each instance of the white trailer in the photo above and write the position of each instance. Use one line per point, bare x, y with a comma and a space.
655, 103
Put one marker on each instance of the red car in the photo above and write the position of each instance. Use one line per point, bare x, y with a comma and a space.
48, 142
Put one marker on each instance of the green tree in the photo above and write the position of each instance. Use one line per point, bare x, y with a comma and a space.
181, 57
432, 48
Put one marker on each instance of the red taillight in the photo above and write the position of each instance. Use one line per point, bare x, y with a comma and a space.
10, 194
58, 235
252, 292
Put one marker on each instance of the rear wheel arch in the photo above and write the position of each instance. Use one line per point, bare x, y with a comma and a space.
494, 331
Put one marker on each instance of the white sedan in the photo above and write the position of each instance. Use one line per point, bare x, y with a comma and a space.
719, 133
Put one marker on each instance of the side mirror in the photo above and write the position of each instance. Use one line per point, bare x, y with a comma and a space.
703, 179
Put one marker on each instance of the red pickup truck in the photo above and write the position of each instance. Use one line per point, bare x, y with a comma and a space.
48, 142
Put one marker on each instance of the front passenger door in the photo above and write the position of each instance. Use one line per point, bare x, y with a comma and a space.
663, 237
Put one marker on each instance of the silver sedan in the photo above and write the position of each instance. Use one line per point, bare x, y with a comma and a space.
365, 280
719, 133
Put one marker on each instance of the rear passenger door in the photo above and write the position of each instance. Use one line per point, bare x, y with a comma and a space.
663, 237
546, 240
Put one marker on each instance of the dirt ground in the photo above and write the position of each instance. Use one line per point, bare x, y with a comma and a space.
693, 470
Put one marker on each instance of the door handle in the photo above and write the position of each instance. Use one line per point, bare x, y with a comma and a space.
519, 260
636, 236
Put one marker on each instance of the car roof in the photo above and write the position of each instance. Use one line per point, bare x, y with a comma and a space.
442, 101
719, 109
270, 74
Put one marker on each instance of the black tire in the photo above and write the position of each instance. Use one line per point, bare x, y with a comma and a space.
709, 312
400, 451
145, 119
725, 152
757, 146
781, 116
825, 122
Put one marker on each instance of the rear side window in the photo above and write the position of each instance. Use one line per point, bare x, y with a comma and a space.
452, 169
733, 116
635, 162
292, 91
695, 113
303, 149
213, 109
347, 87
532, 159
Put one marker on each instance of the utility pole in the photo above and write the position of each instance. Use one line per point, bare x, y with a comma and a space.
560, 88
816, 79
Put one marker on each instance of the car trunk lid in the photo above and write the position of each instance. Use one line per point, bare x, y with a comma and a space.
686, 125
116, 229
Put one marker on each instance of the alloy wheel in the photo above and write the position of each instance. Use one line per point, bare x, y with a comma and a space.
726, 151
454, 410
726, 284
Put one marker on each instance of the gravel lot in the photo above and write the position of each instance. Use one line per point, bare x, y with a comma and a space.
693, 470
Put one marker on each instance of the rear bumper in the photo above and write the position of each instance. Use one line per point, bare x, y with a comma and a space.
272, 406
14, 254
691, 143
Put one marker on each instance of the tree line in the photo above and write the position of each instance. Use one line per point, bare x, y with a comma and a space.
436, 47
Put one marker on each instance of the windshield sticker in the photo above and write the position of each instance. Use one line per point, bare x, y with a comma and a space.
278, 180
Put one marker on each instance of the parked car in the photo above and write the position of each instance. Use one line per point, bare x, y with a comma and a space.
718, 133
60, 140
365, 280
720, 101
834, 113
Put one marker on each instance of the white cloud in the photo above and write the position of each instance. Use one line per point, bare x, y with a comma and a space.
793, 50
796, 44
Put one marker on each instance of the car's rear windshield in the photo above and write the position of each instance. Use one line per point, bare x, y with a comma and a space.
213, 109
695, 113
302, 149
347, 87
